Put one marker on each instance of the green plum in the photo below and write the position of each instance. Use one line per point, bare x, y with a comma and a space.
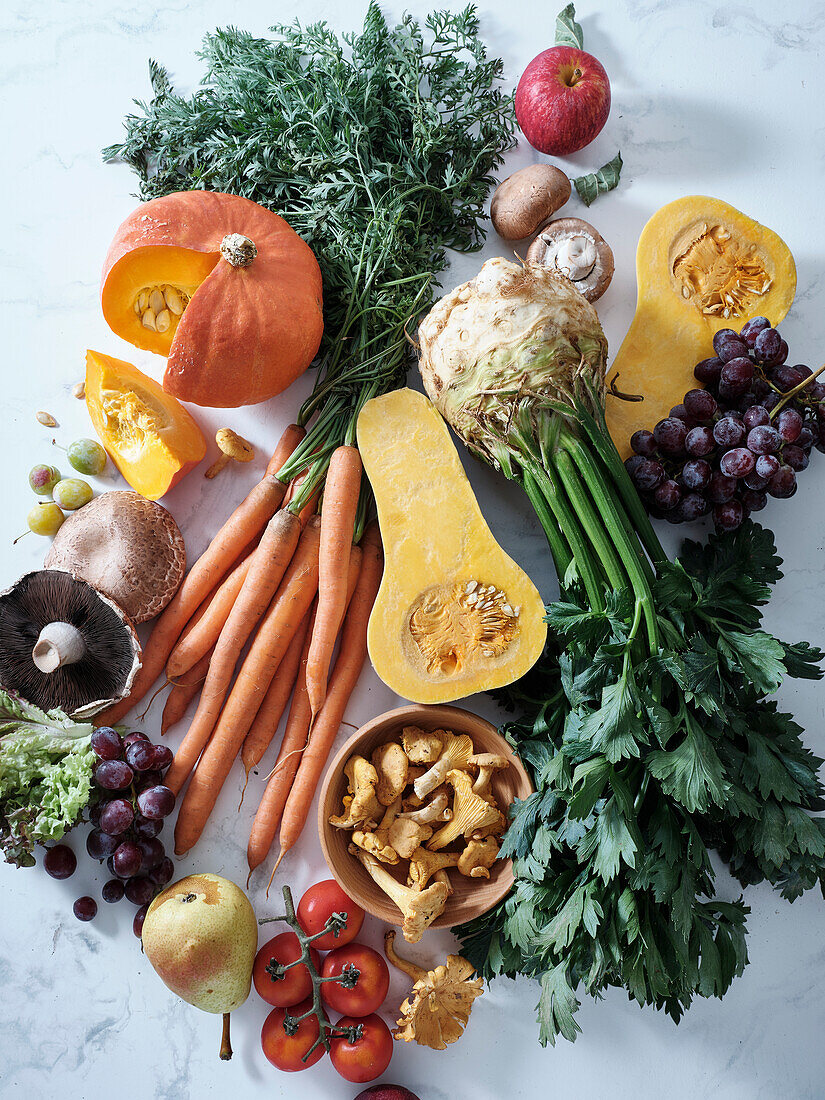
87, 457
72, 493
43, 479
45, 519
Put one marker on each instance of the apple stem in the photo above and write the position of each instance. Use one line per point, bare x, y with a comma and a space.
226, 1045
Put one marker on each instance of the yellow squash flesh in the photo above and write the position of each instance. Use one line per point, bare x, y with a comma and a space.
454, 614
701, 265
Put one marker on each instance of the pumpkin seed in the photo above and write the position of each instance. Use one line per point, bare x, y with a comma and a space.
163, 320
174, 302
156, 302
137, 306
47, 420
143, 299
79, 390
148, 319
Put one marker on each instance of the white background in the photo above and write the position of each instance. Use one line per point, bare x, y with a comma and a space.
722, 99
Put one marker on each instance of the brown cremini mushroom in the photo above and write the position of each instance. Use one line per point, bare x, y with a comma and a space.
127, 547
233, 448
64, 644
527, 200
576, 250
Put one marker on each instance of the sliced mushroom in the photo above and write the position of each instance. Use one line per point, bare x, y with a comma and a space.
64, 644
575, 249
127, 547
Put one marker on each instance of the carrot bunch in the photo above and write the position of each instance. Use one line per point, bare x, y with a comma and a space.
255, 622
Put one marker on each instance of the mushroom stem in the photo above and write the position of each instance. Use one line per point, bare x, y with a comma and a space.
409, 968
58, 644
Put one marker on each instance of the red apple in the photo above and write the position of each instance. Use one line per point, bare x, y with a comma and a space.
562, 100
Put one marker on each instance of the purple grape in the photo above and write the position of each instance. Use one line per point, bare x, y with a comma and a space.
766, 466
127, 859
738, 462
721, 488
771, 401
85, 908
754, 481
156, 803
162, 874
728, 516
146, 829
754, 500
106, 743
707, 372
789, 424
783, 352
647, 474
140, 917
700, 404
112, 890
729, 345
767, 347
139, 890
787, 378
148, 779
700, 442
140, 755
795, 457
816, 391
751, 329
696, 474
670, 435
117, 816
755, 416
100, 845
113, 775
691, 507
746, 401
152, 852
764, 439
736, 377
728, 432
807, 437
131, 738
721, 335
60, 861
163, 754
783, 483
95, 810
667, 495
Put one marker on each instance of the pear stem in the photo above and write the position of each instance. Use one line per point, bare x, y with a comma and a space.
226, 1046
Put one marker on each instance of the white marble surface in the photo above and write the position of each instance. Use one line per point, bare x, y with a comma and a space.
719, 98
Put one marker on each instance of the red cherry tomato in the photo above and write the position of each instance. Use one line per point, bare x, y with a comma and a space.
317, 906
286, 1051
296, 984
370, 989
365, 1058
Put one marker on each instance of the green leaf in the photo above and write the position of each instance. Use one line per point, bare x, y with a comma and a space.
592, 185
758, 656
802, 660
611, 842
615, 729
568, 31
692, 773
557, 1007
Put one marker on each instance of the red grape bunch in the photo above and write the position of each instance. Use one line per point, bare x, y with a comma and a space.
742, 438
126, 817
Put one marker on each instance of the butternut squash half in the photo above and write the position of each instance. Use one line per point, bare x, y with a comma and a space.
701, 265
454, 614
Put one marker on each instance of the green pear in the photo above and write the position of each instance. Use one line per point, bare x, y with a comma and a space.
201, 936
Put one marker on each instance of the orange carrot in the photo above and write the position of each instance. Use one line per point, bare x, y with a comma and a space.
341, 490
292, 601
274, 798
183, 692
245, 522
268, 566
351, 657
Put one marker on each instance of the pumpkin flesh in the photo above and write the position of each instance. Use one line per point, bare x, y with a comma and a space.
701, 265
454, 614
149, 435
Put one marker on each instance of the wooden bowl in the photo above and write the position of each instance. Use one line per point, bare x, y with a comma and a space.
471, 896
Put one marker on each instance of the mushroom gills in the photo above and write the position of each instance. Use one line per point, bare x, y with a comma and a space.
576, 250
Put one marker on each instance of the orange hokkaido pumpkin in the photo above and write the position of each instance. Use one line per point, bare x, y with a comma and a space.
223, 288
149, 435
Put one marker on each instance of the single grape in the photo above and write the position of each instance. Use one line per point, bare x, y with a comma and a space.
679, 412
764, 439
766, 466
139, 890
130, 738
139, 755
670, 435
696, 474
728, 516
787, 378
647, 474
771, 401
87, 457
162, 874
783, 352
100, 845
60, 861
755, 481
707, 372
721, 336
816, 391
127, 859
42, 479
795, 457
783, 483
754, 500
152, 778
163, 757
45, 519
721, 488
736, 376
691, 507
140, 917
146, 829
106, 743
85, 908
755, 416
667, 495
807, 437
112, 890
700, 442
728, 345
117, 816
789, 424
803, 370
767, 347
151, 852
156, 802
113, 775
95, 810
728, 432
71, 493
738, 462
700, 404
643, 443
751, 329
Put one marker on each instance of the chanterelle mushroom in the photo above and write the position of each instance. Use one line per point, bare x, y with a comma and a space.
391, 763
424, 864
437, 809
478, 857
406, 835
361, 807
487, 763
421, 747
470, 813
457, 750
378, 843
438, 1007
576, 250
419, 908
